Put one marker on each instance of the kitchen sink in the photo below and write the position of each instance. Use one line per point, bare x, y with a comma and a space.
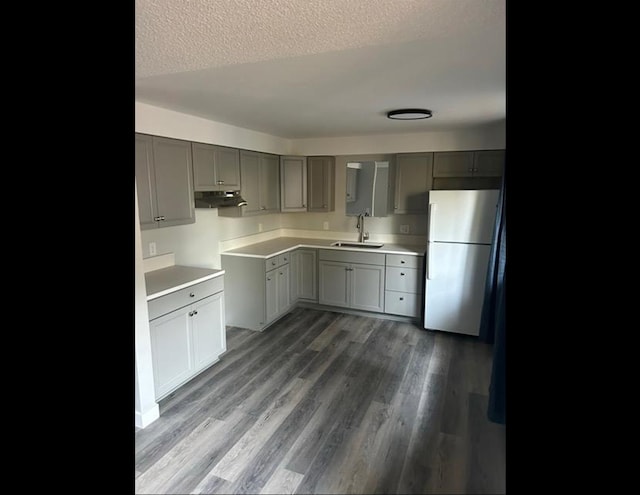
357, 244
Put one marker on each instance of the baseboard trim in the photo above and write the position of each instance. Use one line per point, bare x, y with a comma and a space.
145, 419
357, 312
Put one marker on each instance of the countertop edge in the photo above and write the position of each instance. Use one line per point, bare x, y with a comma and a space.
318, 246
175, 288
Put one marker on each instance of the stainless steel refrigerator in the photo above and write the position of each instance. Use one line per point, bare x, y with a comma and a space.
459, 237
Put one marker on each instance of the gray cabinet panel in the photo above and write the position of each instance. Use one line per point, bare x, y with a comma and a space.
271, 292
293, 183
174, 181
269, 183
303, 276
488, 163
367, 287
145, 181
333, 283
403, 279
245, 293
413, 180
215, 168
321, 183
250, 177
346, 256
208, 331
284, 292
453, 164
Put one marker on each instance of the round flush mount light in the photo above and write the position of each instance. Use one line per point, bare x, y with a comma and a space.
409, 114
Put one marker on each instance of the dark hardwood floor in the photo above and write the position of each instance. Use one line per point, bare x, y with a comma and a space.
324, 402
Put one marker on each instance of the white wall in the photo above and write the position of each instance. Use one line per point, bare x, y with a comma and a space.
485, 137
150, 119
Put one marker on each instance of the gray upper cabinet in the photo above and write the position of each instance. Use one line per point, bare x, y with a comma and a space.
259, 185
453, 164
414, 172
488, 163
321, 172
215, 168
293, 183
468, 169
164, 177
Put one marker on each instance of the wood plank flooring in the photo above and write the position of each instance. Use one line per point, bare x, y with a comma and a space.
324, 402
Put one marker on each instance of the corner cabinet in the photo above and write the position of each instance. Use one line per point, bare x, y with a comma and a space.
304, 278
186, 338
164, 179
307, 183
413, 181
351, 279
215, 168
468, 169
259, 185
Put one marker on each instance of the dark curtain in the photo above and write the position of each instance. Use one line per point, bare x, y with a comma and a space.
492, 323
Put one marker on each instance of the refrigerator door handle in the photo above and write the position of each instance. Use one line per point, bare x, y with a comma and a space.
429, 260
430, 212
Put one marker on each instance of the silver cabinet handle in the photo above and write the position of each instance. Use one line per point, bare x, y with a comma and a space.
191, 294
190, 313
220, 182
195, 312
395, 207
263, 207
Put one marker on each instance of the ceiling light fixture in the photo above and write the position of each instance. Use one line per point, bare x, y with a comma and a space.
409, 114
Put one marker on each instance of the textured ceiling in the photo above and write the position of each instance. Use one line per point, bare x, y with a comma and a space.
307, 68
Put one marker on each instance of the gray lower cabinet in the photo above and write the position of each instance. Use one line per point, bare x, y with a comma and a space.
259, 185
187, 339
164, 179
403, 285
351, 279
304, 280
215, 168
413, 181
258, 291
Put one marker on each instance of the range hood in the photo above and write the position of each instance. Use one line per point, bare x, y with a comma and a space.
218, 199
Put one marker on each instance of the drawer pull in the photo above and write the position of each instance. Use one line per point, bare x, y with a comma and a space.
191, 294
402, 274
195, 312
402, 298
402, 261
268, 279
190, 313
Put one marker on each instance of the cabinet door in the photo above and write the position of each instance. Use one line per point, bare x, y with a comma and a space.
145, 181
227, 162
352, 182
453, 164
333, 283
174, 181
284, 294
208, 330
414, 174
271, 294
367, 287
171, 350
320, 183
293, 183
204, 175
270, 183
306, 284
488, 163
250, 177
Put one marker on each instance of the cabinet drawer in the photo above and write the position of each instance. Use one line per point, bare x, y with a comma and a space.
188, 295
403, 261
351, 257
403, 279
283, 259
402, 303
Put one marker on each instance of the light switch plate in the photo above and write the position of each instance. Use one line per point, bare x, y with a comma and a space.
325, 225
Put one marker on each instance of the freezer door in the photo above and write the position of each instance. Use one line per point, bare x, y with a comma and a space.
462, 216
454, 293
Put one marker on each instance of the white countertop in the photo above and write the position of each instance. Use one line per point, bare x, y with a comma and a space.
281, 245
166, 280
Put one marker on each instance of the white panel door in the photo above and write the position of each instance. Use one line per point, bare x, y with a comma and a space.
171, 350
208, 330
454, 291
462, 216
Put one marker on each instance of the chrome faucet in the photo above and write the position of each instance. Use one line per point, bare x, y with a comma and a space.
362, 235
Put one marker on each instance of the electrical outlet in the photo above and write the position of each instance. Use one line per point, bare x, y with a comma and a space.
152, 249
325, 225
404, 229
259, 227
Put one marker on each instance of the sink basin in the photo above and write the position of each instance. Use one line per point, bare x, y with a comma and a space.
357, 244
